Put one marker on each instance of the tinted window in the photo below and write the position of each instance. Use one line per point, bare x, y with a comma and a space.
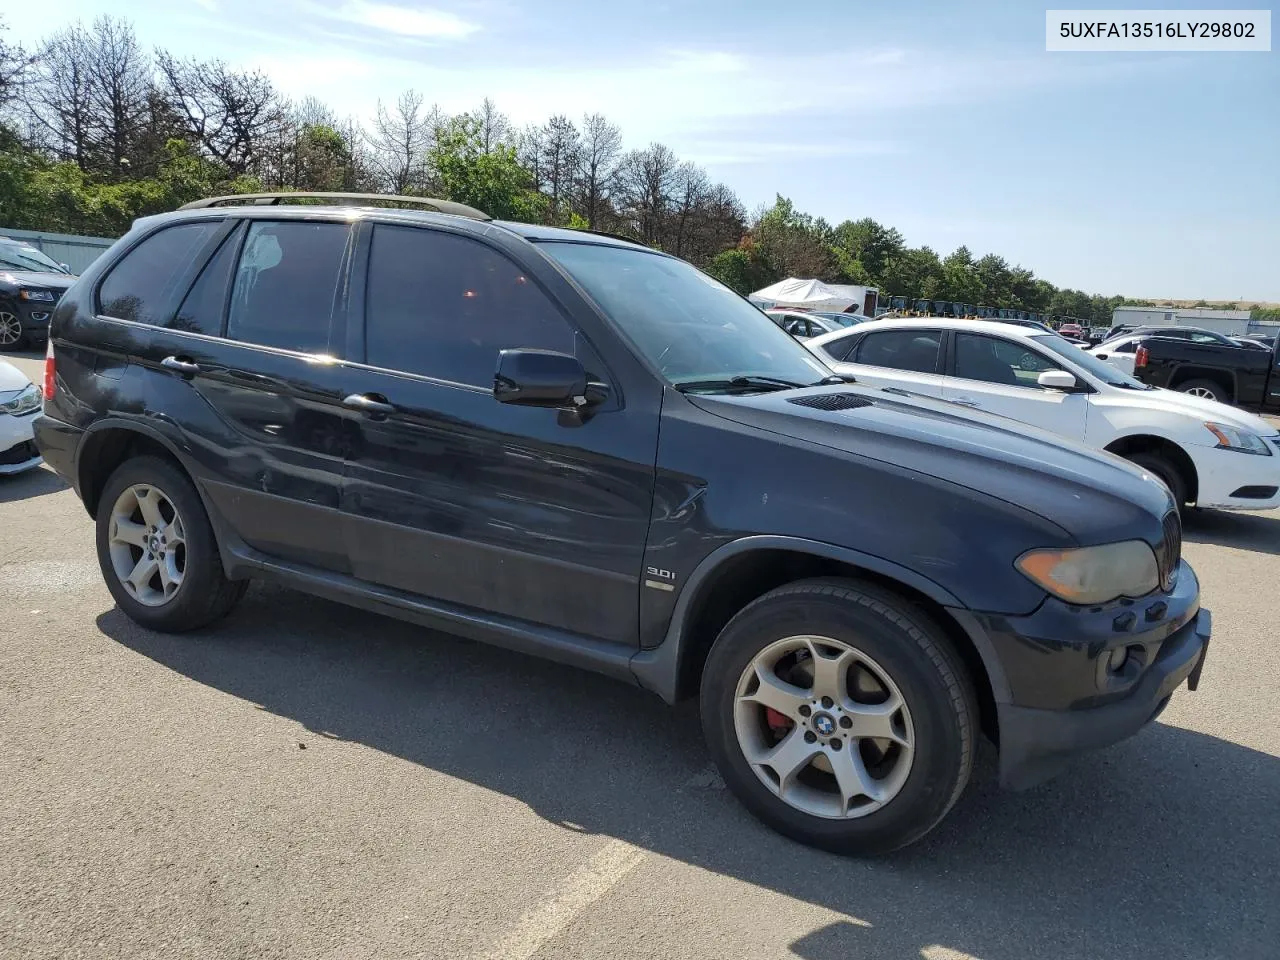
915, 350
285, 285
202, 310
992, 360
1128, 347
442, 306
839, 348
143, 285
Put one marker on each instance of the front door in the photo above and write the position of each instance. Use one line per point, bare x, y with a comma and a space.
453, 496
999, 376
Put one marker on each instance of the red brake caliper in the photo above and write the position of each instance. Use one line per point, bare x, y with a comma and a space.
778, 723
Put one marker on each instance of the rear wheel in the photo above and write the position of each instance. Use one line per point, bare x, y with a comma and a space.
12, 336
1162, 467
1206, 389
157, 550
839, 715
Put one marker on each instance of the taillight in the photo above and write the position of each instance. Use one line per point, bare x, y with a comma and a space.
50, 377
1140, 358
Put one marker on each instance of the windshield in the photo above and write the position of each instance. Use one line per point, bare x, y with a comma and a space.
27, 258
690, 327
1087, 361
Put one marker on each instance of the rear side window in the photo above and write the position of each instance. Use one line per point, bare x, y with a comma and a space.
286, 284
143, 285
442, 306
839, 348
915, 350
202, 310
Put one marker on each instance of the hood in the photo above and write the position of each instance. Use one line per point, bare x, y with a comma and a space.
1094, 496
11, 378
1172, 401
46, 281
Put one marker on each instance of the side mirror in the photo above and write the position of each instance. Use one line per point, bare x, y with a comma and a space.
1057, 380
544, 378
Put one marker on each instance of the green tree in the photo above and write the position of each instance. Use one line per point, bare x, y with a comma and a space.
742, 269
868, 242
913, 272
493, 181
959, 280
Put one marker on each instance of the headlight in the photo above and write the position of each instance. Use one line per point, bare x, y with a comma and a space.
1089, 575
1233, 438
45, 296
24, 401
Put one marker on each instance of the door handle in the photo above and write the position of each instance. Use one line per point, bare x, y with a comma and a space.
965, 402
370, 403
184, 367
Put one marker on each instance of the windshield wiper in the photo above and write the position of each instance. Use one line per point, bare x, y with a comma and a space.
834, 379
739, 383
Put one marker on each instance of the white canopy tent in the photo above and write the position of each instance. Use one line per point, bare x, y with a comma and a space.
809, 294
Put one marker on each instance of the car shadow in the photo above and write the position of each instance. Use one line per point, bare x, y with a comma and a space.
1259, 532
37, 482
1166, 845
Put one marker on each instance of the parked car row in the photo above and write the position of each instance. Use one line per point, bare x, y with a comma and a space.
851, 552
1190, 442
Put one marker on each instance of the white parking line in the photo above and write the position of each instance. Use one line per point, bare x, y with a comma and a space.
584, 887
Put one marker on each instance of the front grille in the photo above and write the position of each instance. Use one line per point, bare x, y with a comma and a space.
19, 453
832, 401
1169, 551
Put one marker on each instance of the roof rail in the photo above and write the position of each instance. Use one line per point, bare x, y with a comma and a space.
340, 199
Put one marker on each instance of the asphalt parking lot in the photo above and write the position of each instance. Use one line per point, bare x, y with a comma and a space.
306, 780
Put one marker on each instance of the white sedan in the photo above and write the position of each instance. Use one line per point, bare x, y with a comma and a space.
1207, 453
19, 404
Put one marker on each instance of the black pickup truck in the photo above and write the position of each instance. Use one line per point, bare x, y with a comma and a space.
1245, 376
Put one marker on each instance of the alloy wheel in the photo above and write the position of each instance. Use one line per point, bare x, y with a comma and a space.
147, 544
1204, 392
824, 727
10, 329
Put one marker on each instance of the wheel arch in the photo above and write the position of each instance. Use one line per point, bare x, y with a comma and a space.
1181, 461
1223, 378
738, 572
109, 443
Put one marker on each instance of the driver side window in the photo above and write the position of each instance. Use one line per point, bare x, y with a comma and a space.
992, 360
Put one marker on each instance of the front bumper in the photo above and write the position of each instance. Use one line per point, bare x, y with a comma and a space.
1036, 744
1230, 480
34, 316
17, 448
1055, 692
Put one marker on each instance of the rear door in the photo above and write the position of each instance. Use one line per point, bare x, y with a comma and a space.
246, 368
999, 376
908, 358
455, 497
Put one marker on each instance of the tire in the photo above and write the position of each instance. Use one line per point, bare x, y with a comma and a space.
911, 653
12, 336
1205, 388
204, 594
1164, 468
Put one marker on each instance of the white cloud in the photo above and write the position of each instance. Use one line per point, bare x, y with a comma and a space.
408, 22
707, 61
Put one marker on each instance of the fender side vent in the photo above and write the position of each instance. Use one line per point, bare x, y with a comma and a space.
832, 401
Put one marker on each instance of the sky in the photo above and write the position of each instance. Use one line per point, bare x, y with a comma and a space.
1151, 175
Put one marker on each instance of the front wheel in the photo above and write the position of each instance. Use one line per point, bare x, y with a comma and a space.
1162, 468
839, 714
12, 336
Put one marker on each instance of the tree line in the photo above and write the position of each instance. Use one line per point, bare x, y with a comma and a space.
96, 130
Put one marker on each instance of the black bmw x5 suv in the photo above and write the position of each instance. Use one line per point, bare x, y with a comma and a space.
571, 445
